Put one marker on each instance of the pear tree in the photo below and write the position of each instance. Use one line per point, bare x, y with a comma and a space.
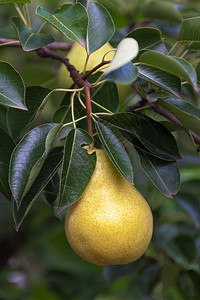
80, 77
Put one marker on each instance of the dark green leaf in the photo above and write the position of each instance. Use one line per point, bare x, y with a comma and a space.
163, 174
6, 148
107, 96
161, 10
185, 112
190, 30
191, 205
77, 168
112, 273
46, 173
70, 20
3, 116
112, 143
63, 115
27, 160
166, 63
101, 27
162, 79
148, 38
18, 119
30, 41
12, 91
155, 137
172, 126
189, 69
126, 74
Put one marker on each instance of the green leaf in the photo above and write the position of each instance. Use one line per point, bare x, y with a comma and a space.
178, 246
27, 160
190, 30
155, 137
165, 63
12, 90
185, 112
77, 168
15, 1
70, 20
161, 10
191, 205
127, 50
101, 27
115, 272
34, 98
162, 79
148, 38
126, 74
189, 69
3, 116
47, 171
7, 146
107, 96
30, 41
112, 143
163, 174
121, 68
63, 115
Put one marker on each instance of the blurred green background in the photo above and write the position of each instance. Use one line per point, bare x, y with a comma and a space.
37, 262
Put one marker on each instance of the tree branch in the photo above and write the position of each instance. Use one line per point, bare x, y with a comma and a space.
105, 62
54, 45
88, 109
45, 52
162, 111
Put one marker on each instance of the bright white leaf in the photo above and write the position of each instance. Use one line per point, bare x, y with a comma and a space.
127, 50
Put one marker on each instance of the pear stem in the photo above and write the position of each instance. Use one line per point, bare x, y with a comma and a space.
88, 109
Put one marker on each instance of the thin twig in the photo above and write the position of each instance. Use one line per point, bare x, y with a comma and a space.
54, 45
105, 62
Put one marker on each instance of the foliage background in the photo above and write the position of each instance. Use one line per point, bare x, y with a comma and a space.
37, 262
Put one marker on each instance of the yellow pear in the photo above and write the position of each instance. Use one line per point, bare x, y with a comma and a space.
77, 57
111, 223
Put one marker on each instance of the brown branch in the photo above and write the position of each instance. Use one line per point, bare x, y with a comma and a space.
162, 111
105, 62
45, 52
88, 109
54, 45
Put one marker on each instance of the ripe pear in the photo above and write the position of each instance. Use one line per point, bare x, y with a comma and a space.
77, 57
111, 223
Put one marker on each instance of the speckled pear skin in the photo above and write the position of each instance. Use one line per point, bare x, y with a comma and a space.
111, 223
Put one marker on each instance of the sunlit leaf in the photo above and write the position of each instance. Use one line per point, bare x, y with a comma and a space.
127, 50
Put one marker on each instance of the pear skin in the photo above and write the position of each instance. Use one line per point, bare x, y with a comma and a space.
111, 223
